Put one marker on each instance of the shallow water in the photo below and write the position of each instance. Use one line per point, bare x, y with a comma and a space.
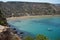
49, 27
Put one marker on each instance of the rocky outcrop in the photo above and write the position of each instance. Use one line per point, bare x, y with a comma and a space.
9, 35
27, 9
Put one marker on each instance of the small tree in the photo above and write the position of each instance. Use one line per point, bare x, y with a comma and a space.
2, 19
28, 38
41, 37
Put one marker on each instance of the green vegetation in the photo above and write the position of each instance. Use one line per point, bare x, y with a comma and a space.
38, 37
29, 8
2, 19
41, 37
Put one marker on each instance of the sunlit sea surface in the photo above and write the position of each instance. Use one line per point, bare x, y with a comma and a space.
50, 27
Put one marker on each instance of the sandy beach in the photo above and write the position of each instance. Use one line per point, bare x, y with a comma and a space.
26, 17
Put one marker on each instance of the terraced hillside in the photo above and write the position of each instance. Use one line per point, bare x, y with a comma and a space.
28, 8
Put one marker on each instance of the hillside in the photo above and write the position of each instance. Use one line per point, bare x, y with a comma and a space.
28, 8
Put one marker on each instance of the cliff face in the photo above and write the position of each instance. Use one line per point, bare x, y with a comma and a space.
27, 9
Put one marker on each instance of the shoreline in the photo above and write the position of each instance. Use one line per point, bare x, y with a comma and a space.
26, 17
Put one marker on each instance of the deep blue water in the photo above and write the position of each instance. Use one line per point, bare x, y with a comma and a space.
49, 27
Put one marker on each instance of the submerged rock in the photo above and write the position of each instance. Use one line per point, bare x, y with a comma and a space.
49, 29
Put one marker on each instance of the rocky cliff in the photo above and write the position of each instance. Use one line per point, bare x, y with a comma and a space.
28, 8
7, 33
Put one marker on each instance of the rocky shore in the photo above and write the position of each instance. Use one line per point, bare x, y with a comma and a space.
6, 33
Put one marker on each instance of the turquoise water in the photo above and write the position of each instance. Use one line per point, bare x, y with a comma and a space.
49, 27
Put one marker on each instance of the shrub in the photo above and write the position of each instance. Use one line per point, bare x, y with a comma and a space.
2, 19
41, 37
